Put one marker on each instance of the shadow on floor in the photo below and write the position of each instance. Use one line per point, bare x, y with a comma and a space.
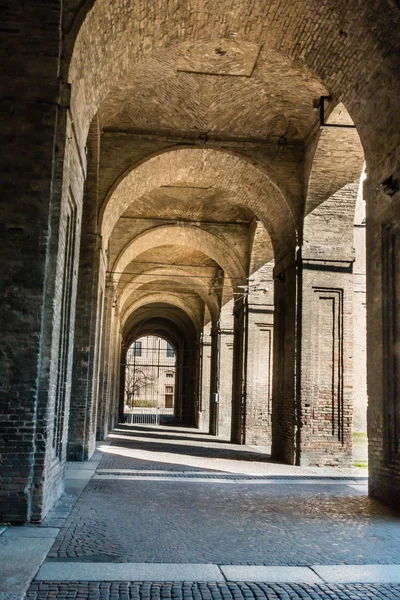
168, 447
160, 435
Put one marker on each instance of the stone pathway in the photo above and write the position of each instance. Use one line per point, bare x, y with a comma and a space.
172, 505
226, 523
194, 499
207, 591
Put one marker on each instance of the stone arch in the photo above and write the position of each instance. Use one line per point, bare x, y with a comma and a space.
197, 300
166, 298
178, 329
147, 317
197, 284
246, 184
157, 333
335, 159
184, 235
362, 40
163, 331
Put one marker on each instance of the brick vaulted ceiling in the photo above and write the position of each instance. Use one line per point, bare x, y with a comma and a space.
342, 43
167, 74
211, 91
218, 89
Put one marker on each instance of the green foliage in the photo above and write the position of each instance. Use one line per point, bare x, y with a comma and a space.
144, 403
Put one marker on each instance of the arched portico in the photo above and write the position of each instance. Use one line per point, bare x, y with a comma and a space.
165, 318
243, 101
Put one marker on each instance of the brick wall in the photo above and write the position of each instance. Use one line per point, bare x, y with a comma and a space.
88, 312
285, 365
360, 318
29, 114
58, 331
258, 376
43, 173
383, 281
327, 331
204, 416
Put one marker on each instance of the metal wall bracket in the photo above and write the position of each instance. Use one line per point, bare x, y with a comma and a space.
321, 106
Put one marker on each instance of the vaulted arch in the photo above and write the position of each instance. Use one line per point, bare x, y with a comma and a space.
167, 298
246, 185
152, 317
344, 55
182, 235
148, 278
334, 159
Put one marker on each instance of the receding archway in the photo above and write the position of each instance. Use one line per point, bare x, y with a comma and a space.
150, 381
69, 72
234, 175
155, 320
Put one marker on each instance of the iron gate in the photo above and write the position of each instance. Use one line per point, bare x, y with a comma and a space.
151, 385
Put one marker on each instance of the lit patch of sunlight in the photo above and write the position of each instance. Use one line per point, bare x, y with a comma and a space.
232, 465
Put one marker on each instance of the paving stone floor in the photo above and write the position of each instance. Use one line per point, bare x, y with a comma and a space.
118, 520
175, 448
186, 522
207, 591
126, 514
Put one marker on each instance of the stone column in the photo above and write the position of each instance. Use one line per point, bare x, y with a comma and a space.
115, 363
81, 434
258, 377
239, 354
189, 382
43, 173
313, 353
325, 396
383, 332
214, 380
121, 404
178, 407
225, 383
360, 321
204, 412
103, 409
285, 417
225, 370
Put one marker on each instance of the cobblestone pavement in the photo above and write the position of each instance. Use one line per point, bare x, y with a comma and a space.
172, 448
181, 522
158, 449
207, 591
222, 523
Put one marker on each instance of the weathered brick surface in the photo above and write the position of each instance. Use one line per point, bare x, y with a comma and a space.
34, 184
258, 373
24, 239
327, 333
89, 308
208, 168
331, 39
249, 144
382, 347
205, 374
285, 443
360, 320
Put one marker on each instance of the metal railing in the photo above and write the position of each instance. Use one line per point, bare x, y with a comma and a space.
147, 415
